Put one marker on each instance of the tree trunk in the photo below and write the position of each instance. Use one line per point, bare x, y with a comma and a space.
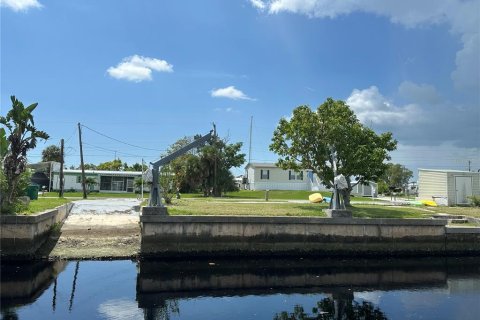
346, 193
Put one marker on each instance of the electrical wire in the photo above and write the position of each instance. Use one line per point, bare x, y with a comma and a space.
114, 139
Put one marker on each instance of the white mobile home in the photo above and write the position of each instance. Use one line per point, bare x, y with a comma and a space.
453, 185
263, 176
106, 181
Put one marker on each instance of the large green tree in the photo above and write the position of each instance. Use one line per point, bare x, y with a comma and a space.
22, 136
206, 168
52, 153
395, 176
216, 160
304, 142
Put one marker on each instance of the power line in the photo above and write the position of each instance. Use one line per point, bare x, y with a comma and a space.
125, 143
110, 150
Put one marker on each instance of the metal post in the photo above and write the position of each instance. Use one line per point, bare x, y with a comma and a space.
60, 193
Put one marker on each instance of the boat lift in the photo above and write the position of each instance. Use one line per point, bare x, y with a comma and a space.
155, 199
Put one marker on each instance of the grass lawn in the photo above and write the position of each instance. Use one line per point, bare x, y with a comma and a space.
256, 208
466, 211
44, 204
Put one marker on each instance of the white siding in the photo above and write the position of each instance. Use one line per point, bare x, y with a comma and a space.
452, 197
432, 183
70, 182
278, 180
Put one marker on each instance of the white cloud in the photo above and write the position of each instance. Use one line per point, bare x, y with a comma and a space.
461, 15
20, 5
424, 119
137, 68
371, 106
259, 4
231, 93
120, 309
421, 93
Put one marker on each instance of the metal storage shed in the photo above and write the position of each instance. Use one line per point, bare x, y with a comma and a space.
453, 185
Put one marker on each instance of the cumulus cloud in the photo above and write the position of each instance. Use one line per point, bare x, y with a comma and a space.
137, 68
422, 93
231, 93
424, 119
460, 15
20, 5
372, 107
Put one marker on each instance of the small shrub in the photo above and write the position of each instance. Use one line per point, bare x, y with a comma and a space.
475, 201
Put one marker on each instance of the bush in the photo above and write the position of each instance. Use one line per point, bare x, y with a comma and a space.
23, 183
475, 201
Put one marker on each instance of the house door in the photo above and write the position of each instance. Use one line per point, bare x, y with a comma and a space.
463, 189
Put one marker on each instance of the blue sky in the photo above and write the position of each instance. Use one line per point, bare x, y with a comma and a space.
150, 72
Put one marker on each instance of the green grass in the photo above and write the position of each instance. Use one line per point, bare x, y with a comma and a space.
201, 207
41, 205
373, 211
466, 211
255, 208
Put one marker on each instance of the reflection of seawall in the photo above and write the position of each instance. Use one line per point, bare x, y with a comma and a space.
24, 283
158, 281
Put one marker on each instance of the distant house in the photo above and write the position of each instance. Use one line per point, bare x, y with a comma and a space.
453, 186
106, 181
366, 190
263, 176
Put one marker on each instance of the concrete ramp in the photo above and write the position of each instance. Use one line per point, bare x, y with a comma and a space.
106, 206
107, 228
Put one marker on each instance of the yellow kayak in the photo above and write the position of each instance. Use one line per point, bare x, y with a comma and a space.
429, 203
315, 198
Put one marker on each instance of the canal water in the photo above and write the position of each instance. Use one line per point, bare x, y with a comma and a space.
420, 288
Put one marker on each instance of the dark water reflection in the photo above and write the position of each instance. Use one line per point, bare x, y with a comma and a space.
434, 288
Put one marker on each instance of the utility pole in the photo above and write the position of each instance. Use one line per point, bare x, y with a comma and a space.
142, 180
215, 164
81, 161
60, 193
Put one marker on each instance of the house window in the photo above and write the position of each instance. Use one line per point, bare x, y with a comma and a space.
79, 179
292, 175
118, 184
105, 183
300, 175
265, 174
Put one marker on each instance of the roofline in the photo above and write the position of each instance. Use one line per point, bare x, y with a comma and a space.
447, 170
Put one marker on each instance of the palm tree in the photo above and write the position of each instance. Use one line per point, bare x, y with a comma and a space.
22, 137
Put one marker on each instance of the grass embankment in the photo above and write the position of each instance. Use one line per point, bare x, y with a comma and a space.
41, 205
255, 208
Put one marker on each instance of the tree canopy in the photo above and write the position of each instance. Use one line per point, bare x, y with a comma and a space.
396, 176
304, 142
52, 153
206, 168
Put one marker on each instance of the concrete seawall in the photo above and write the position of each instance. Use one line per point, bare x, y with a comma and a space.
180, 236
22, 236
